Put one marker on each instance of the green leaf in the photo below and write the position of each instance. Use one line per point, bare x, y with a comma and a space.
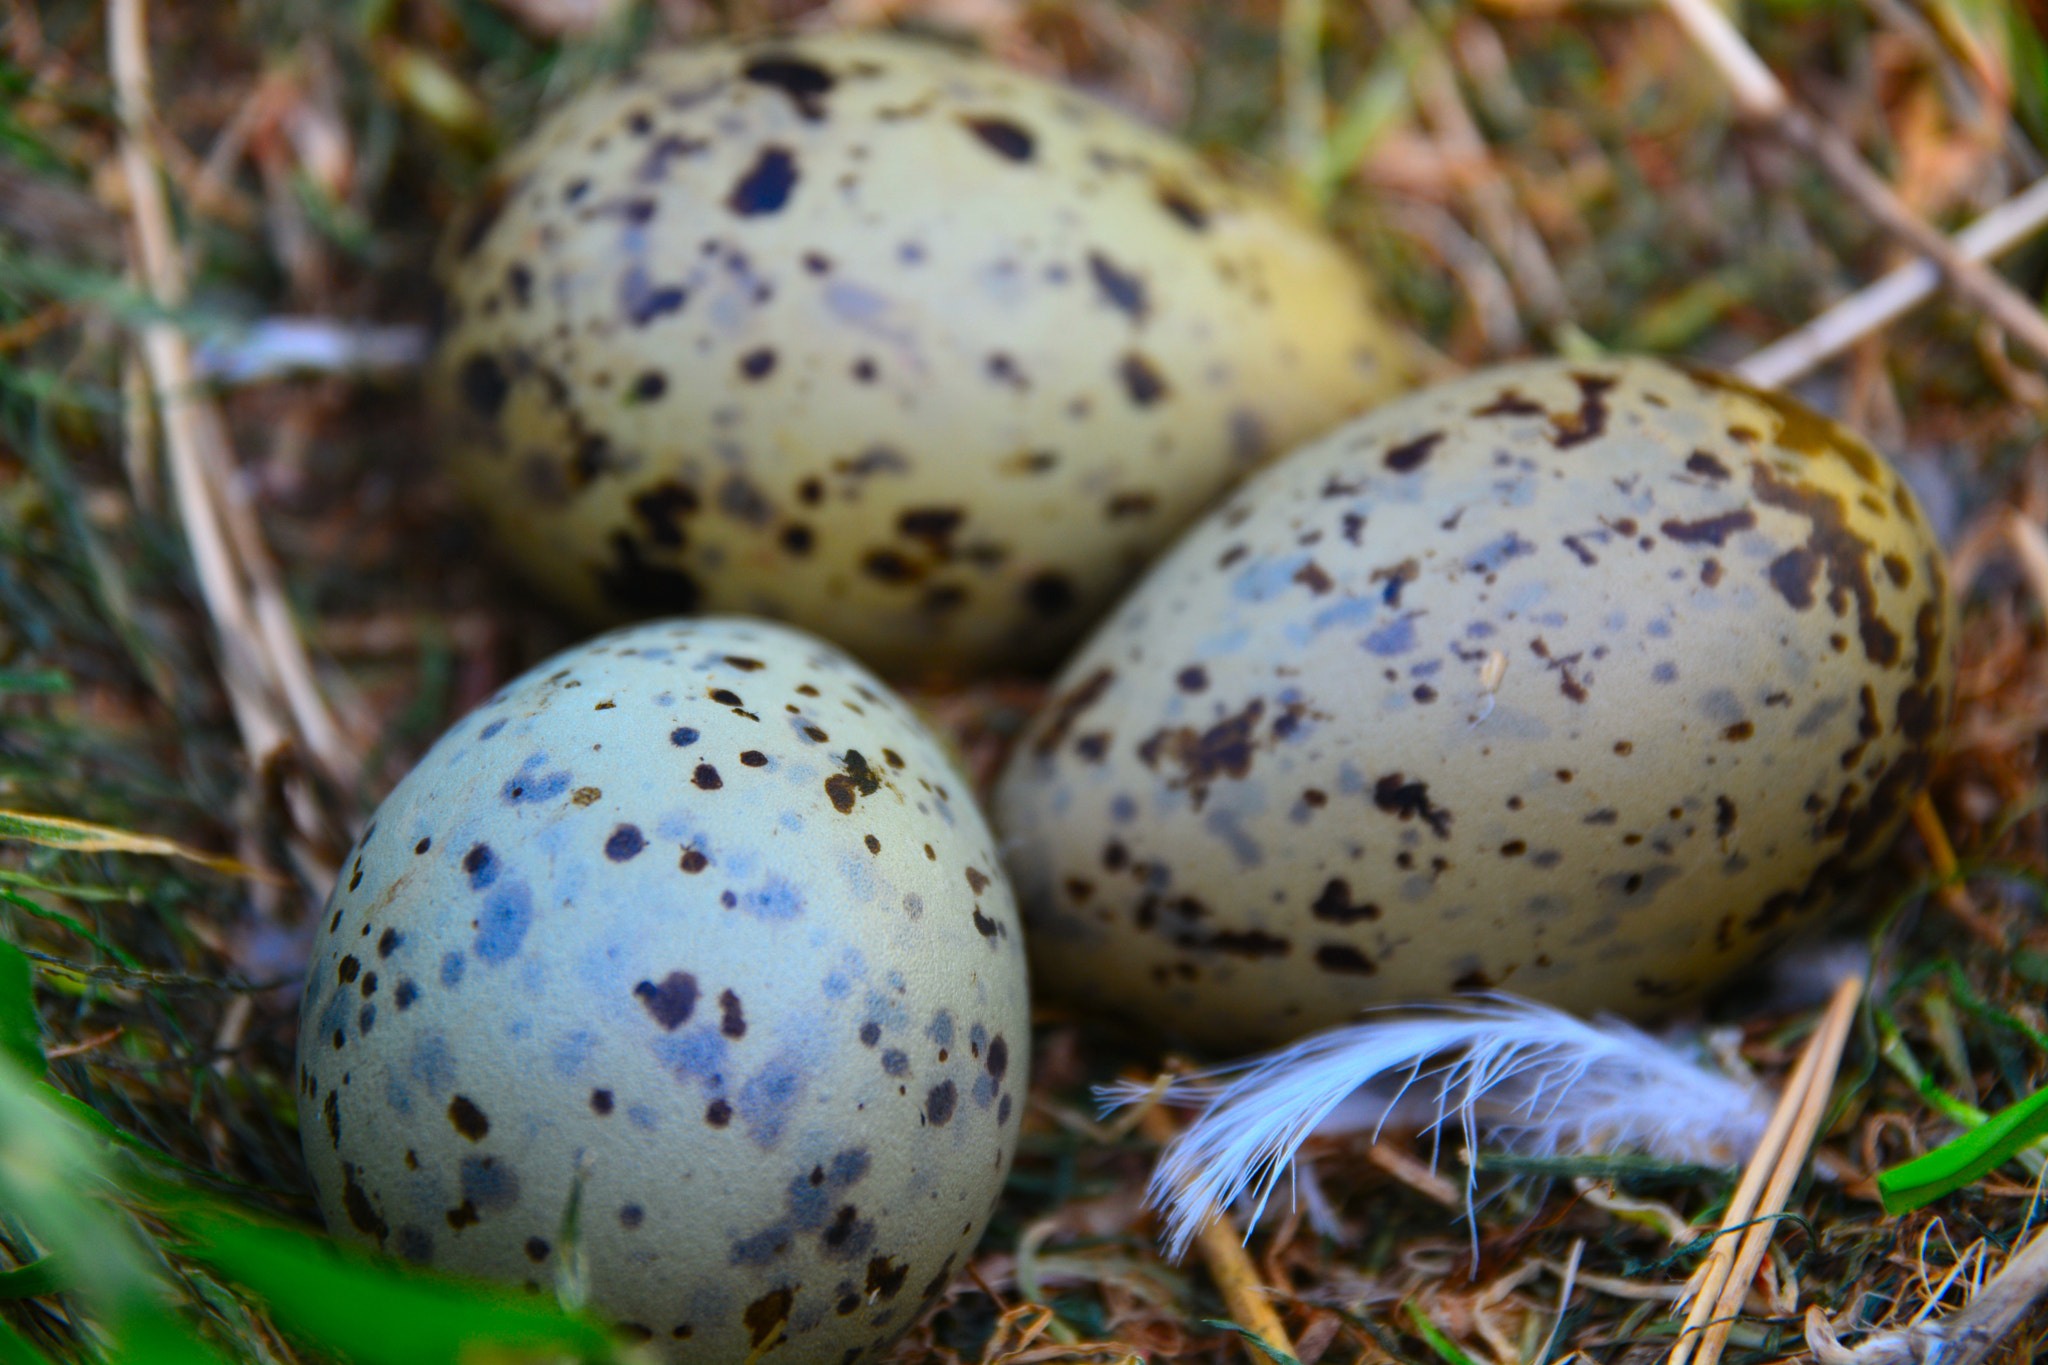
1957, 1163
158, 1336
15, 1348
379, 1313
39, 1276
21, 1031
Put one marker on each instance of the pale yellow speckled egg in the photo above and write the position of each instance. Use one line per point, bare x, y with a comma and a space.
921, 353
1587, 682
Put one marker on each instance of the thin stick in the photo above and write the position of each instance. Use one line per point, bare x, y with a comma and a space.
1251, 1303
2005, 305
1760, 96
1703, 1290
1953, 898
169, 368
1416, 1174
1811, 1101
1877, 304
268, 679
1564, 1299
2030, 547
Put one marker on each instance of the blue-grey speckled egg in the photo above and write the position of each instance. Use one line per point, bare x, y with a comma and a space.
924, 354
700, 907
1589, 682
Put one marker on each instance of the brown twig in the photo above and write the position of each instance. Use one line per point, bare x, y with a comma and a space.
268, 678
1416, 1174
34, 327
1760, 96
1250, 1302
1879, 303
1718, 1287
83, 1045
2029, 545
1953, 898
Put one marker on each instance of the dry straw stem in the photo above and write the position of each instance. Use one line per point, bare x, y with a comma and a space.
1964, 1338
264, 667
1567, 1282
1250, 1302
1722, 1281
1759, 95
1877, 304
1416, 1174
1951, 894
2030, 547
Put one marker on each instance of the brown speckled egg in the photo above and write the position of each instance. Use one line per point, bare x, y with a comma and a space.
1586, 682
923, 354
700, 910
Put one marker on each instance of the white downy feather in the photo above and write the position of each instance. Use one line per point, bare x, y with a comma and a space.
1531, 1078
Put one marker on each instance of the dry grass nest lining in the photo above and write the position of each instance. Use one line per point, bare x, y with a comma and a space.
1526, 175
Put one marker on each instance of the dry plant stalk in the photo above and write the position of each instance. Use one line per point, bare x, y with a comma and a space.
1888, 298
2029, 544
264, 667
1964, 1338
1416, 1174
1951, 895
1251, 1304
1718, 1287
1760, 96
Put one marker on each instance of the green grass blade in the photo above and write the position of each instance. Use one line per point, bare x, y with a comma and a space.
52, 1181
1258, 1343
157, 1336
42, 682
21, 1031
1434, 1335
132, 895
15, 1348
53, 831
75, 925
38, 1277
1957, 1163
378, 1313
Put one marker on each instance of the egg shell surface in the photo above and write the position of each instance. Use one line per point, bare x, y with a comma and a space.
700, 905
924, 354
1586, 682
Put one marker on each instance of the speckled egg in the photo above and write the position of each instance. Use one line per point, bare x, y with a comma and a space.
698, 910
921, 353
1587, 682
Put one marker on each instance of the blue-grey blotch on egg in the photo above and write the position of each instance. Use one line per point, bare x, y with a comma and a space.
699, 909
1589, 682
922, 353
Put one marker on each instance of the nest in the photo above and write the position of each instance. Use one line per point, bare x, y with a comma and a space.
232, 611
